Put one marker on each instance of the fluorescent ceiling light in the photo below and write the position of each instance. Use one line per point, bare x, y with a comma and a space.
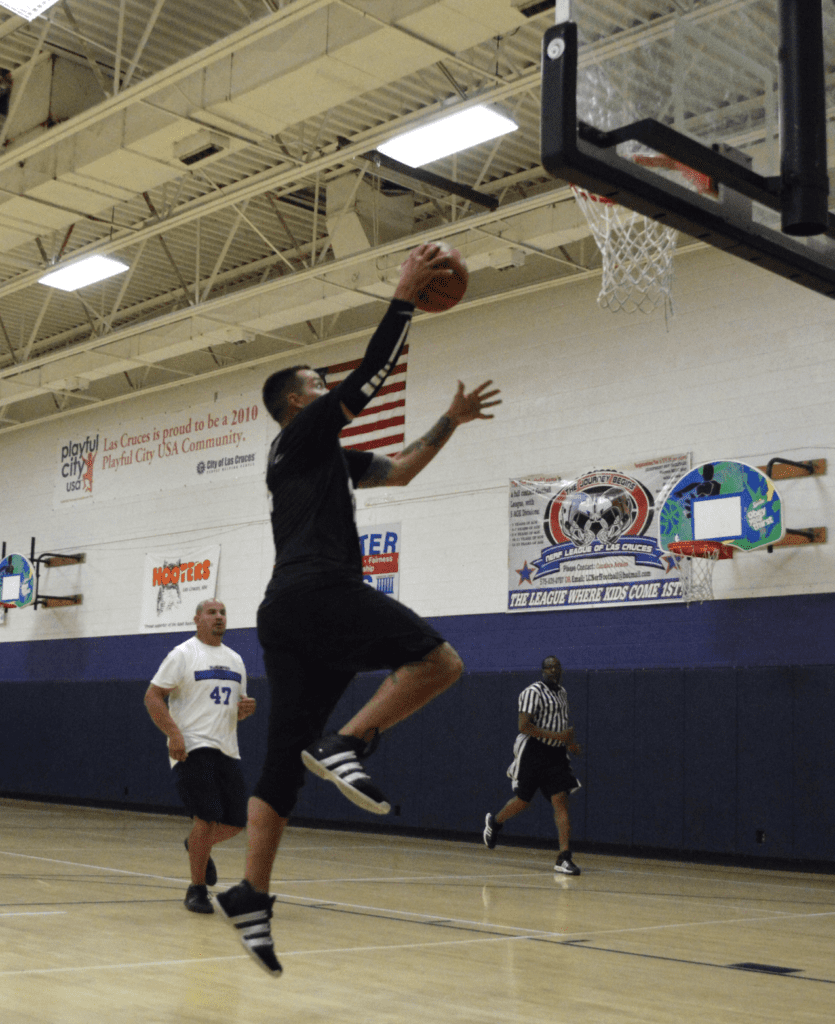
28, 9
79, 275
449, 135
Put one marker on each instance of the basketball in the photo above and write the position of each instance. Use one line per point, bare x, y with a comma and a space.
445, 290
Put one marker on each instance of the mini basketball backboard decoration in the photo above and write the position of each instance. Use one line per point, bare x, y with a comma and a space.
17, 582
715, 509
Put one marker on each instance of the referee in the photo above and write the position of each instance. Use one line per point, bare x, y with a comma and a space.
540, 760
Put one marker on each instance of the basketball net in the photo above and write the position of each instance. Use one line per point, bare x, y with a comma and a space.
695, 561
637, 255
637, 251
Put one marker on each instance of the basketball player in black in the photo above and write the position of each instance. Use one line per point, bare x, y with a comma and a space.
319, 623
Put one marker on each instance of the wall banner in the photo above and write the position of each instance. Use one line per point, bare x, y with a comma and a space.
205, 445
172, 587
380, 547
592, 540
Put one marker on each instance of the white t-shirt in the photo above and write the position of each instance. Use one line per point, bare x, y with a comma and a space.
204, 684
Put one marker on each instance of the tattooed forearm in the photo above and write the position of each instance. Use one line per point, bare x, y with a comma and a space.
438, 434
434, 438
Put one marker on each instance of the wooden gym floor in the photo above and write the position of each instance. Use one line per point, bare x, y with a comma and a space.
373, 929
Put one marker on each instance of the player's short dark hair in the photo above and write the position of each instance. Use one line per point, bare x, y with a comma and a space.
552, 657
278, 387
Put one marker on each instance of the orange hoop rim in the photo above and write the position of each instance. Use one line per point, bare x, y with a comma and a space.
701, 183
701, 549
583, 193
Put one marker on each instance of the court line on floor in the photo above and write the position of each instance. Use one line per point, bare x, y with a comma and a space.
92, 867
418, 918
417, 879
117, 967
282, 953
792, 975
289, 897
31, 913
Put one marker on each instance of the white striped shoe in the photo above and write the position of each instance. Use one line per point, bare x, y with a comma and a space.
337, 759
249, 912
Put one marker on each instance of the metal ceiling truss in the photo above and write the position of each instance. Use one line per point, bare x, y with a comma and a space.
222, 247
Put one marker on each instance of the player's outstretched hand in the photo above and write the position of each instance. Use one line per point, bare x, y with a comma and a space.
422, 264
468, 407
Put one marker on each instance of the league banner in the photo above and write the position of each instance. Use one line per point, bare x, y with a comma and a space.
593, 540
173, 585
380, 547
202, 446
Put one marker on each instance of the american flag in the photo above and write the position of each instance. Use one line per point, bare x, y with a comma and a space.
381, 426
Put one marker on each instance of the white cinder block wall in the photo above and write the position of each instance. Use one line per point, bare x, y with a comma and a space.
745, 370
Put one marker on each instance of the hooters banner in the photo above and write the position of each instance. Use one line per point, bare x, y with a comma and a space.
173, 585
591, 540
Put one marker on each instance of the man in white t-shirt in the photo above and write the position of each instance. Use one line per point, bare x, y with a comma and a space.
197, 698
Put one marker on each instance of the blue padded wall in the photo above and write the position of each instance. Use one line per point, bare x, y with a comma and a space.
693, 740
658, 761
710, 760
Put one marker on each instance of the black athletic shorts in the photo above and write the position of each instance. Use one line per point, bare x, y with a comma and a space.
543, 768
348, 627
314, 643
211, 786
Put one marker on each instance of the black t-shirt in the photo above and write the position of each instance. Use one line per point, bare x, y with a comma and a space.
311, 478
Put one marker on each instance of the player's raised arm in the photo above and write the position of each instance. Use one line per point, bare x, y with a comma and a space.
386, 344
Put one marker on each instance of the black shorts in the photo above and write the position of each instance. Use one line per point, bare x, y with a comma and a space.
349, 627
314, 642
212, 788
543, 768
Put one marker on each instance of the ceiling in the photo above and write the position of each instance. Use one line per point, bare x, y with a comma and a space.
224, 158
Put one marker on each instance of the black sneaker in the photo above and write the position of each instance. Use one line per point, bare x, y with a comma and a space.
491, 831
249, 911
565, 865
211, 870
337, 759
197, 900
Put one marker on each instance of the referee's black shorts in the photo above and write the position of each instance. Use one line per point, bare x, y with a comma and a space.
314, 643
212, 787
543, 768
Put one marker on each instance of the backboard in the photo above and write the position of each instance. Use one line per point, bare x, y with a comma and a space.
725, 501
17, 581
721, 92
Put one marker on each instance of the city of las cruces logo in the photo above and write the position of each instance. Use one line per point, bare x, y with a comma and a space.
603, 514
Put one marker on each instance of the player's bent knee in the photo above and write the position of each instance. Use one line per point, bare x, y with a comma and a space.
448, 664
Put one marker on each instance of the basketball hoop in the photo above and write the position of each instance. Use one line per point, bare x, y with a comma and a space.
637, 251
695, 561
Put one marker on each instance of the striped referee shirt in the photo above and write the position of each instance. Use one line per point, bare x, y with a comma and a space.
548, 710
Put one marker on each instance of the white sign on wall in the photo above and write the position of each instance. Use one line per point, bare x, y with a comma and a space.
205, 445
380, 547
173, 585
